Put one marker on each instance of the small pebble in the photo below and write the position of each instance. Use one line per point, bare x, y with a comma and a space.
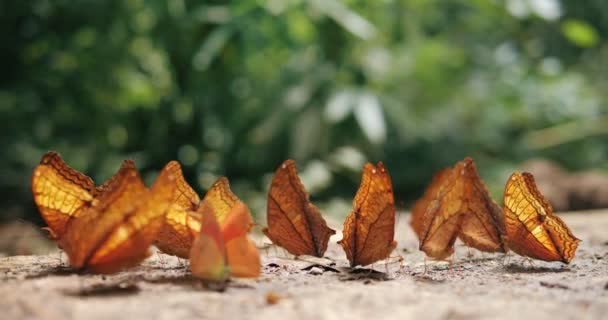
316, 271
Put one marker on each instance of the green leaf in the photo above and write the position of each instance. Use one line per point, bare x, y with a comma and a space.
580, 33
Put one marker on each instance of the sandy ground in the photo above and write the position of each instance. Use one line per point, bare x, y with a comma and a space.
478, 286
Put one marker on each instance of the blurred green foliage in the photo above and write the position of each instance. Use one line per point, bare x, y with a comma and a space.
235, 87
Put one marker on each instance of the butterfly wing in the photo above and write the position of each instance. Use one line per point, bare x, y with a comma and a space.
457, 204
531, 227
294, 223
128, 244
235, 221
482, 225
221, 199
182, 223
436, 216
368, 234
208, 252
565, 242
60, 192
243, 257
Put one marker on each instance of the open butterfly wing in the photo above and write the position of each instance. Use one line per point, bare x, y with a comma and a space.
368, 234
294, 223
531, 227
182, 223
60, 192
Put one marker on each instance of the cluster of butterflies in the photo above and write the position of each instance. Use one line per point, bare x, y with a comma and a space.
110, 227
107, 228
458, 205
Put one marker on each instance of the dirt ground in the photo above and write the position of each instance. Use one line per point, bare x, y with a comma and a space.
478, 286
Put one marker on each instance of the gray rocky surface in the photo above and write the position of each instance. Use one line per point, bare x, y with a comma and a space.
476, 286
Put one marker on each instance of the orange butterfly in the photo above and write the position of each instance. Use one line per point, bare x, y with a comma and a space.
457, 205
182, 221
222, 247
107, 232
294, 223
369, 229
59, 192
533, 230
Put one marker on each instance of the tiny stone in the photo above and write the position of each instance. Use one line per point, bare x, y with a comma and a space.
316, 271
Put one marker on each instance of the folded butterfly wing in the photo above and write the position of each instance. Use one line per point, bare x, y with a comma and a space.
369, 229
60, 192
129, 243
436, 216
294, 223
532, 228
457, 205
182, 223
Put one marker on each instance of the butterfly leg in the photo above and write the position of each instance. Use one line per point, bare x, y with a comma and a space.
60, 257
505, 259
160, 259
451, 265
530, 262
470, 254
397, 259
425, 266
